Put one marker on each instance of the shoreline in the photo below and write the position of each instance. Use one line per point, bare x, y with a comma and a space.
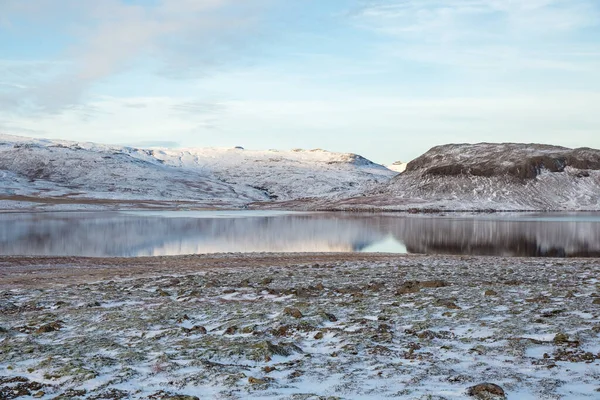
32, 204
29, 270
158, 207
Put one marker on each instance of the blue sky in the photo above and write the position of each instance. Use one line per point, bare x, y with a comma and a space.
387, 79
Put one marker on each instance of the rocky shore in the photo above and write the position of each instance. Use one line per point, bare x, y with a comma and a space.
310, 326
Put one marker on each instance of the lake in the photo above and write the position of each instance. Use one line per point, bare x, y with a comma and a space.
133, 234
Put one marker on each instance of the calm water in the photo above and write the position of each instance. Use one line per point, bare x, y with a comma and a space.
172, 233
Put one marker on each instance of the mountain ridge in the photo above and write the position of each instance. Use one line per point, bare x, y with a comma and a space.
209, 177
452, 177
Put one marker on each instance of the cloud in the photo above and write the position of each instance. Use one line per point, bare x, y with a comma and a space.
489, 34
138, 121
185, 37
468, 18
198, 107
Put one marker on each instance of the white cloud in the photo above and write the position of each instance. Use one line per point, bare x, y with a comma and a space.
112, 36
496, 34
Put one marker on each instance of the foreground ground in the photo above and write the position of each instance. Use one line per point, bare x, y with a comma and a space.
298, 327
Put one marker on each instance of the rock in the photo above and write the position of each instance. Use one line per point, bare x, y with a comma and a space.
430, 335
318, 335
375, 286
561, 338
295, 374
185, 317
266, 281
162, 293
552, 313
197, 329
71, 394
408, 288
162, 395
244, 283
539, 299
479, 349
231, 330
302, 292
256, 381
448, 303
39, 394
330, 317
248, 329
112, 394
267, 349
212, 283
292, 312
51, 327
596, 301
281, 331
486, 391
434, 284
491, 293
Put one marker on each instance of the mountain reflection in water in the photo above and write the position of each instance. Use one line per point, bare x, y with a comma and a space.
145, 234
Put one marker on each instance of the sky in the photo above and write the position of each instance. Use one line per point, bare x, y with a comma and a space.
387, 79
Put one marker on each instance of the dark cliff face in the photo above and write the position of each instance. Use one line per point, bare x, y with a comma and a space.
517, 161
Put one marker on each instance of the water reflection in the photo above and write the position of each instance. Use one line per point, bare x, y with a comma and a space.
142, 234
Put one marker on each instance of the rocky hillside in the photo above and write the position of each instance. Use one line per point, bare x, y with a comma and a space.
486, 176
61, 172
507, 160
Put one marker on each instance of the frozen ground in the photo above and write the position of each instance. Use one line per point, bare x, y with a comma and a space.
314, 326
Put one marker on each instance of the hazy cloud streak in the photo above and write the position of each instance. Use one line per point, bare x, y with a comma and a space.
112, 36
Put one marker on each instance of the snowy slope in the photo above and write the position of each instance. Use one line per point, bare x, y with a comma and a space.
44, 168
213, 177
284, 175
484, 176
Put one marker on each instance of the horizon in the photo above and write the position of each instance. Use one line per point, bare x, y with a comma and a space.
244, 148
387, 80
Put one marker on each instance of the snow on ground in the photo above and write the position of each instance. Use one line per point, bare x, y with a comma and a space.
404, 327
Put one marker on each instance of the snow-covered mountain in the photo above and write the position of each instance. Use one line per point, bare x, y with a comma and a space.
283, 175
484, 176
56, 171
451, 177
